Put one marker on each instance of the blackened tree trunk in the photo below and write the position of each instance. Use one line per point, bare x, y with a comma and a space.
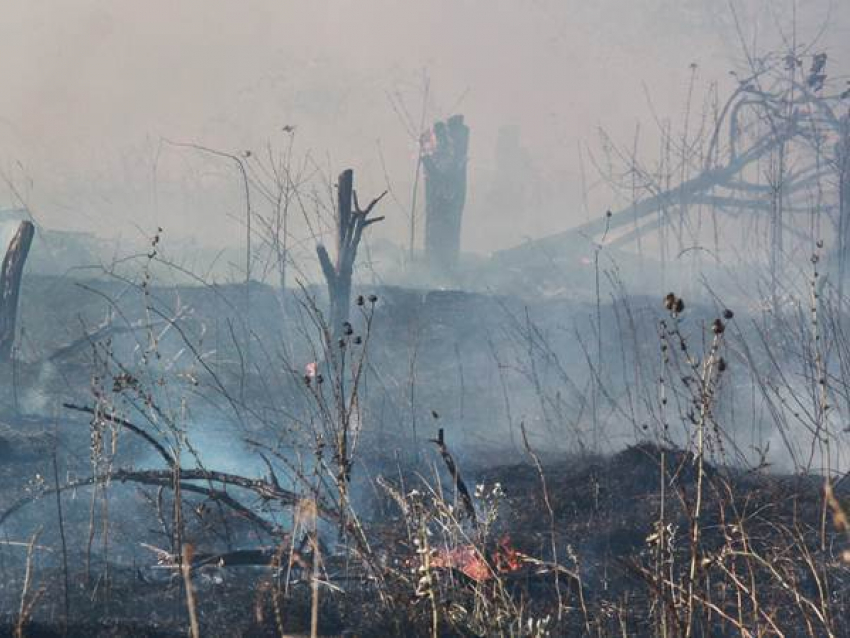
445, 193
10, 286
351, 221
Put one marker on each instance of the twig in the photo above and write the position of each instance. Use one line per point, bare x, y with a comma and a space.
460, 486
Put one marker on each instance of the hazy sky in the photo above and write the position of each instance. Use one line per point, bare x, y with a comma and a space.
91, 88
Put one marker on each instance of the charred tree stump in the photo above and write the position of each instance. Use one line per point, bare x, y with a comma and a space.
10, 286
445, 192
351, 221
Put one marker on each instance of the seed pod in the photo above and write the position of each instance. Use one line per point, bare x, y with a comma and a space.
718, 327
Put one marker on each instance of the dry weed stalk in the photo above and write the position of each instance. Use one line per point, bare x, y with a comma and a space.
28, 601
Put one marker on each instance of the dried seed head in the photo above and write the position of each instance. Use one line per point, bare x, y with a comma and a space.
728, 314
347, 329
373, 298
358, 340
718, 327
360, 300
673, 303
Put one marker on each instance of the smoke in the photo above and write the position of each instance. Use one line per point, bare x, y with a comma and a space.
92, 88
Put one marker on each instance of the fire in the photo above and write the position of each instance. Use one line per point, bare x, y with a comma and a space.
467, 559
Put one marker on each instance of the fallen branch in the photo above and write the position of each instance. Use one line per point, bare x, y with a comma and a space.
135, 429
260, 557
165, 478
102, 332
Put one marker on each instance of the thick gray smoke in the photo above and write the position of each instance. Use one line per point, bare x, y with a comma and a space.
91, 89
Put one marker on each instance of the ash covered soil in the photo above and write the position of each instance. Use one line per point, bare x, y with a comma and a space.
607, 539
601, 518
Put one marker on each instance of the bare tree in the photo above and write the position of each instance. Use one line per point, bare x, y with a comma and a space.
777, 141
351, 221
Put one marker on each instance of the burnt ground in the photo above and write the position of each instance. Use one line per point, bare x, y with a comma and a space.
603, 513
602, 530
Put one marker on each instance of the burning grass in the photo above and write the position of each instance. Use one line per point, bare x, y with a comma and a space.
621, 550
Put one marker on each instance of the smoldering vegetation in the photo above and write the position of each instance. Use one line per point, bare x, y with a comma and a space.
636, 427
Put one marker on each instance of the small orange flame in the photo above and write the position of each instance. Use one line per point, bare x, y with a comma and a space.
467, 559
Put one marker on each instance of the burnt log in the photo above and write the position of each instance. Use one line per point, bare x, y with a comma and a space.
10, 286
445, 164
